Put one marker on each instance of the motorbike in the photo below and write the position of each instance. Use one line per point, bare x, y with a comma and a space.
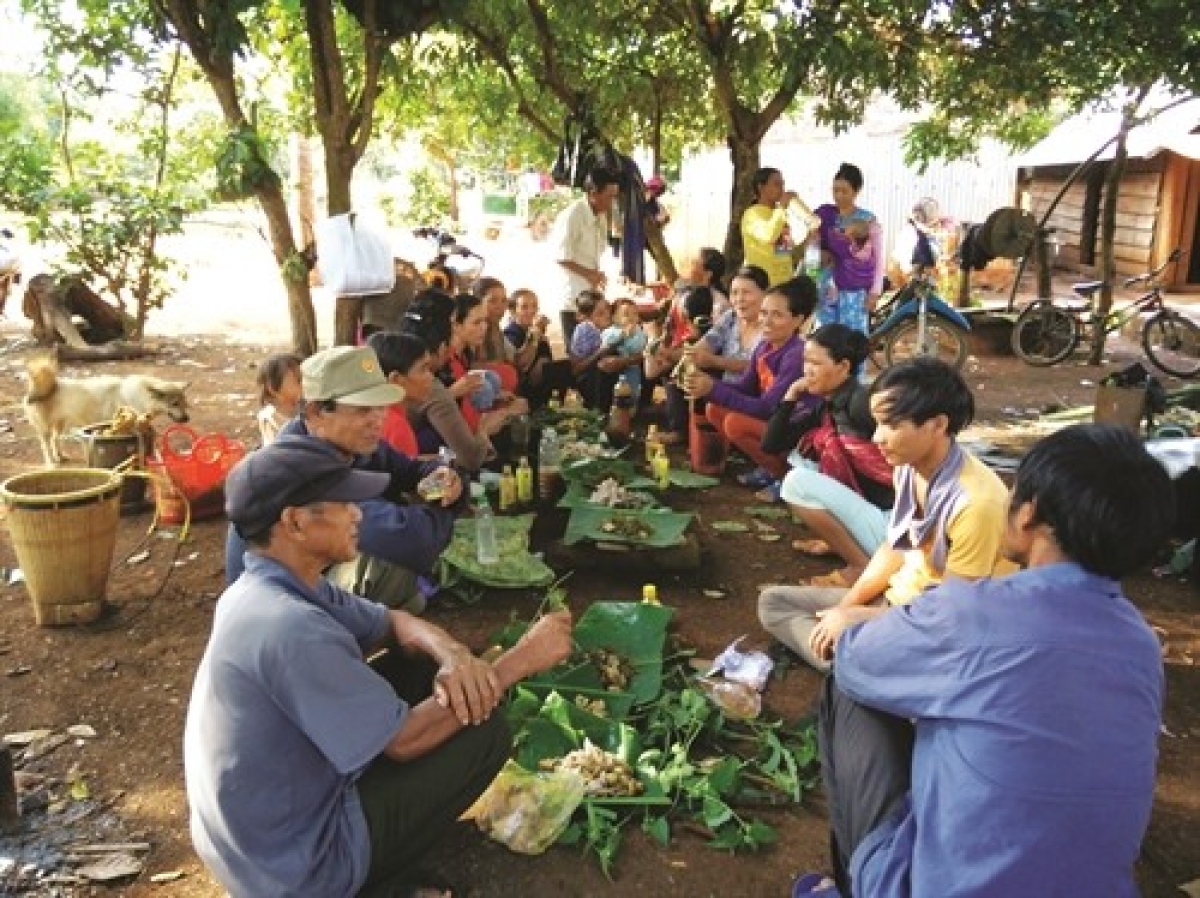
454, 267
915, 321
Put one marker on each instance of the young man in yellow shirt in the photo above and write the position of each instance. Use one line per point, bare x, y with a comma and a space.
948, 520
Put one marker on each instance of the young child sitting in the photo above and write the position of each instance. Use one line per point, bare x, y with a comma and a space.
587, 349
628, 341
279, 394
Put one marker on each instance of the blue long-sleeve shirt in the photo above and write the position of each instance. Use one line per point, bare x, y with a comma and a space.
411, 536
1037, 700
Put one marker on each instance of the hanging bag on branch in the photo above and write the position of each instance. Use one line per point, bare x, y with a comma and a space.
355, 259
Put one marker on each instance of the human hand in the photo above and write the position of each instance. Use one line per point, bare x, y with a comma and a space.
467, 686
698, 385
703, 355
798, 388
831, 624
787, 197
451, 484
516, 405
597, 279
541, 324
611, 364
547, 643
469, 383
872, 302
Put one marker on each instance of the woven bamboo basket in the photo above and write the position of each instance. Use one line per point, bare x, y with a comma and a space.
63, 525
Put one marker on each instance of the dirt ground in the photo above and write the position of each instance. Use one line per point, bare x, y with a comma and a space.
128, 676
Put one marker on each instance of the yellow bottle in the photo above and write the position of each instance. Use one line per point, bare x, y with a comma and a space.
508, 489
650, 594
661, 466
524, 482
652, 443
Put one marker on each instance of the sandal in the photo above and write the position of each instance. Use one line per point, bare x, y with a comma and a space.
815, 885
756, 479
770, 493
830, 580
817, 548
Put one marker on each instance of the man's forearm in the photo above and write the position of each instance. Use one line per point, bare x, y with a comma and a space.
575, 268
874, 579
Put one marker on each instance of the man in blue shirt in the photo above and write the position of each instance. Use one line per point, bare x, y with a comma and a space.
309, 771
345, 397
999, 737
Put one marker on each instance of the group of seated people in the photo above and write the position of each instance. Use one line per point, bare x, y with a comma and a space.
983, 729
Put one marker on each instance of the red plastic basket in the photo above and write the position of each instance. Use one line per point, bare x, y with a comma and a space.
198, 465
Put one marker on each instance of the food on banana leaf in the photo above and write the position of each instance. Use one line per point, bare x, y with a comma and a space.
603, 773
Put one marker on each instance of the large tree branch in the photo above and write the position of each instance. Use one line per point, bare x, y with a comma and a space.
552, 75
493, 49
329, 84
374, 46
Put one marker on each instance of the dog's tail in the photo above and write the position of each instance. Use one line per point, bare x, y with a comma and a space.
42, 372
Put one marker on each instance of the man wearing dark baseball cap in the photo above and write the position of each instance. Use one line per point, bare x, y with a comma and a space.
310, 771
345, 398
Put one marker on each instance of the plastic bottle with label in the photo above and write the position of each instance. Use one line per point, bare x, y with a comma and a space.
812, 259
549, 459
661, 466
524, 482
508, 488
652, 443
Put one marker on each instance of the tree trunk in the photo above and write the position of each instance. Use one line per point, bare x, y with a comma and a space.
452, 187
659, 251
300, 305
306, 194
744, 155
1108, 228
347, 314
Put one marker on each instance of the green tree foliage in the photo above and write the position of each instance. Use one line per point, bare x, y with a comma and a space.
26, 141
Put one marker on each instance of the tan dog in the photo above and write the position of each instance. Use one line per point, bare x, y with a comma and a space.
54, 404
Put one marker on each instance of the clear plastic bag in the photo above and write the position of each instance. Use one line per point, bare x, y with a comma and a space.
527, 812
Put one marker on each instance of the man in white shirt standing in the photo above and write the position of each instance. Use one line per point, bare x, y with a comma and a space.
580, 236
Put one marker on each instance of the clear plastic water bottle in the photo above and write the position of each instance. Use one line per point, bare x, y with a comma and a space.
812, 259
485, 532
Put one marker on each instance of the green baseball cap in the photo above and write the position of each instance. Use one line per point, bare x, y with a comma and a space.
347, 374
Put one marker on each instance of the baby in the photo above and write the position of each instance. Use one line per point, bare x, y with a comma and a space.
627, 340
279, 394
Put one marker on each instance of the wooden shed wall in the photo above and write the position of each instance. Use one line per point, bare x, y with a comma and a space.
1137, 214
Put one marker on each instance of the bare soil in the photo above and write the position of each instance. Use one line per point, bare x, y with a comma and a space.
128, 676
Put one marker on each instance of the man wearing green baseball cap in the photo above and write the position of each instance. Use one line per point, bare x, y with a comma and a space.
345, 398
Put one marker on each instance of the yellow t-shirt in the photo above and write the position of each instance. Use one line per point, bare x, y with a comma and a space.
974, 533
765, 244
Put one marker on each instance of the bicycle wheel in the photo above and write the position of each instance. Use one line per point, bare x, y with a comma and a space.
943, 340
1172, 343
1044, 334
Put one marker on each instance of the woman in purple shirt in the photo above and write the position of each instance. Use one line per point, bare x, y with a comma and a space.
739, 409
852, 255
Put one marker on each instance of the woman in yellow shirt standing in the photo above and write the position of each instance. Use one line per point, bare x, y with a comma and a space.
766, 237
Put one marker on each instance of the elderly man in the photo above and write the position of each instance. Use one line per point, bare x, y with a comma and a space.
346, 397
580, 237
310, 771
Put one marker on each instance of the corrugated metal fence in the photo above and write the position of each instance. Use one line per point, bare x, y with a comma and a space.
808, 156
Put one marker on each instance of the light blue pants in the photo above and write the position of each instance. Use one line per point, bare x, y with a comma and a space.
849, 308
807, 487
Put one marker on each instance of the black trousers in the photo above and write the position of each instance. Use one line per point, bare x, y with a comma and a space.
866, 762
410, 806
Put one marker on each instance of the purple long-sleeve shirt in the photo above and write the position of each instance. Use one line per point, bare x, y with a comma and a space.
746, 395
854, 268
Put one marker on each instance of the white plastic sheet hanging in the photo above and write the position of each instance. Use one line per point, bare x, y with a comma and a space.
354, 257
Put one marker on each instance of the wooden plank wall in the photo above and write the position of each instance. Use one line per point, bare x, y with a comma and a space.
1137, 214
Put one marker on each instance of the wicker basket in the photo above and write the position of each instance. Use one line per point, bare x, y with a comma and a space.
63, 525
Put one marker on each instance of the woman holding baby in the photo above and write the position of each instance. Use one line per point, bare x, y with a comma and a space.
852, 255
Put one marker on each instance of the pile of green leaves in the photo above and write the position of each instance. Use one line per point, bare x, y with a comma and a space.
699, 769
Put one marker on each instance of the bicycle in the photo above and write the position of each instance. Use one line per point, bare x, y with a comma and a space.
1048, 331
915, 321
